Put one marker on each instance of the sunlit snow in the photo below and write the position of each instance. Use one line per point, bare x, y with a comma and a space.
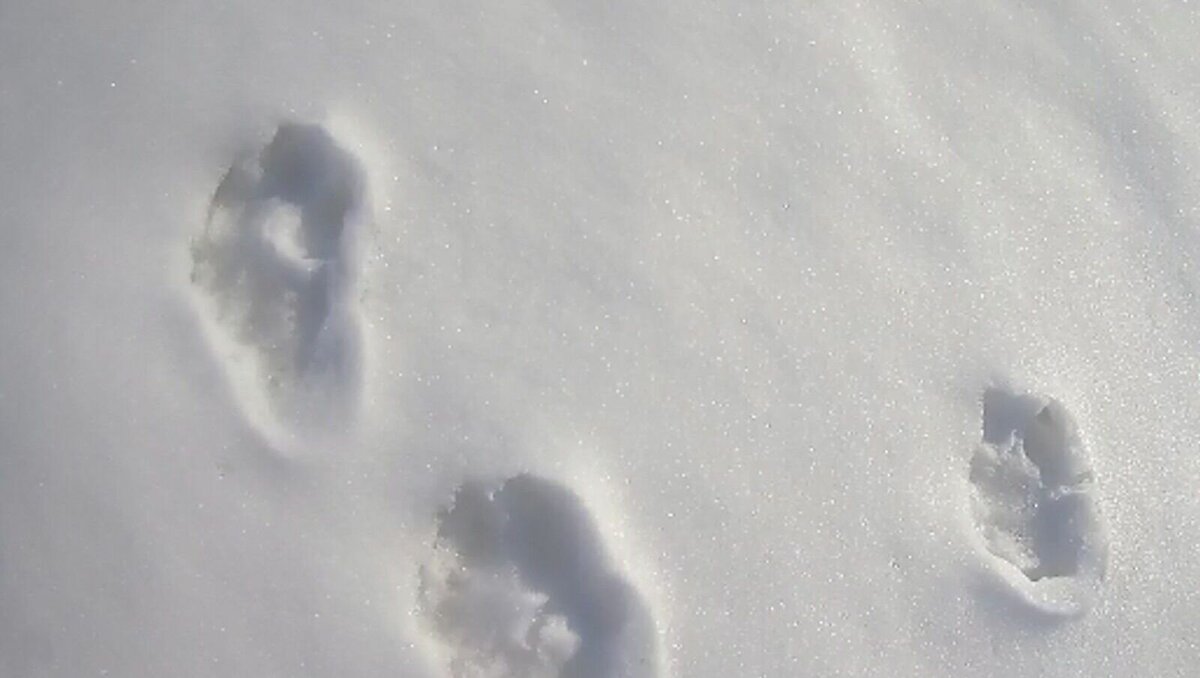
659, 339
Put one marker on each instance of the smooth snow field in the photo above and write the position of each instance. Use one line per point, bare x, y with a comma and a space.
599, 339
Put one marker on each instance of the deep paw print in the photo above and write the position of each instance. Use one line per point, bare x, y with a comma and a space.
276, 266
1033, 501
520, 586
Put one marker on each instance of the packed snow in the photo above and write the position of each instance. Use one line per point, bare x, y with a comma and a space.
448, 339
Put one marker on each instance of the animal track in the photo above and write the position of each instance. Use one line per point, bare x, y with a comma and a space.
1032, 500
276, 267
520, 586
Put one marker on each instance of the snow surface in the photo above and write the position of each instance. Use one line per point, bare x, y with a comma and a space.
533, 338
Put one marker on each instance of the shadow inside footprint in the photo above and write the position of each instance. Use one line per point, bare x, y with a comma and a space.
304, 166
1033, 496
277, 262
582, 618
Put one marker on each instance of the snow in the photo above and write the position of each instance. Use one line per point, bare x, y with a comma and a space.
599, 339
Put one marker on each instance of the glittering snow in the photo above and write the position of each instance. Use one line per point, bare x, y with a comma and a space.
454, 339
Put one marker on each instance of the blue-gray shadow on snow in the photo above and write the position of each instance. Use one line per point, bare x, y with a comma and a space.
543, 530
303, 166
1034, 486
283, 284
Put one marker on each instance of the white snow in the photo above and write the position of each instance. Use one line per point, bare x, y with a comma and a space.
599, 339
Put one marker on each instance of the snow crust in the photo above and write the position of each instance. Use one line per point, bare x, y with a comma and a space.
442, 338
